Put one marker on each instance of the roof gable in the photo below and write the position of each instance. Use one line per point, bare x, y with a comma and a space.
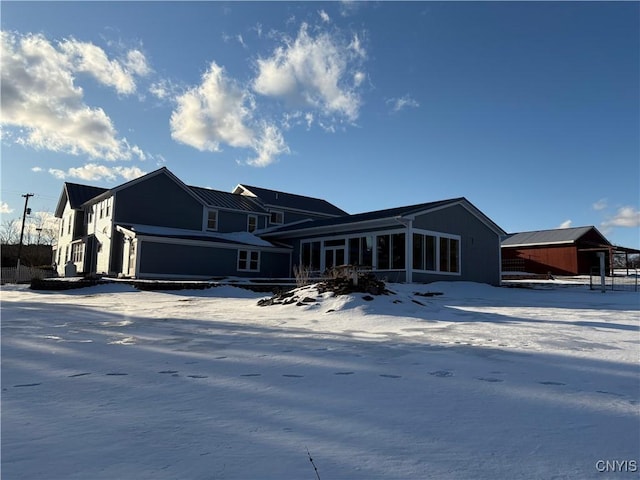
407, 212
553, 236
77, 194
274, 198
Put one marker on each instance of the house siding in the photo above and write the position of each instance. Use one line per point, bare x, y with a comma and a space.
160, 259
236, 222
159, 201
479, 246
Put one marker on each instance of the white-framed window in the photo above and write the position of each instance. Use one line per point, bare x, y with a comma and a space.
390, 254
69, 224
436, 252
89, 214
277, 217
77, 252
212, 220
62, 227
248, 260
252, 223
108, 207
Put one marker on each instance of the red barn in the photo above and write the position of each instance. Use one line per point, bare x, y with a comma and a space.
564, 251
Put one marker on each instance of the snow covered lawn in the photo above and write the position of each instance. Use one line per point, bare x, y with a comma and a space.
478, 383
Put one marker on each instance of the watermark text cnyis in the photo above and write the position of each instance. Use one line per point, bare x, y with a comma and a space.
610, 466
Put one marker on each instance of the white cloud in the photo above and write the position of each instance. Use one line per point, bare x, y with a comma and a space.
268, 146
4, 208
37, 169
212, 113
93, 172
625, 217
40, 95
398, 104
220, 112
314, 72
600, 204
324, 16
565, 224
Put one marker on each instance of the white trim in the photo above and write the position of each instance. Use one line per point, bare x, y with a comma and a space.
248, 260
203, 243
276, 211
249, 216
205, 219
539, 244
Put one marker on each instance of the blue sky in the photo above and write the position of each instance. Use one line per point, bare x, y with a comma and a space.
529, 109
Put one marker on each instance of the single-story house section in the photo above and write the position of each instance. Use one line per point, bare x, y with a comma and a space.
563, 251
436, 241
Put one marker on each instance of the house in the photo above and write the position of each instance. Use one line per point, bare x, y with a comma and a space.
427, 242
158, 227
564, 251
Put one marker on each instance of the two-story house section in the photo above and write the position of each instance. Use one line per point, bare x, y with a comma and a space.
158, 227
285, 208
70, 244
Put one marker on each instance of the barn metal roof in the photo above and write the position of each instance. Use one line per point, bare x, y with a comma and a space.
274, 198
546, 237
232, 201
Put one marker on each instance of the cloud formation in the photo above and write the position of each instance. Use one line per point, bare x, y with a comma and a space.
4, 208
600, 204
95, 172
219, 111
40, 95
625, 217
401, 103
315, 72
565, 224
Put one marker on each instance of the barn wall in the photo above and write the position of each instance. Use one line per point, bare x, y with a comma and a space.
558, 260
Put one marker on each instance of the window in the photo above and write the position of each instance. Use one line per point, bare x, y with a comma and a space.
108, 212
311, 255
248, 260
436, 253
390, 251
69, 224
277, 217
252, 223
361, 251
90, 214
77, 252
101, 209
212, 220
449, 255
62, 227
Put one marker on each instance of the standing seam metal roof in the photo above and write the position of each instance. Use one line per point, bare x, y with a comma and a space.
294, 201
233, 201
541, 237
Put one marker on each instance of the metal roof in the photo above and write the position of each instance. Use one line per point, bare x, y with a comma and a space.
232, 201
292, 201
77, 194
368, 216
545, 237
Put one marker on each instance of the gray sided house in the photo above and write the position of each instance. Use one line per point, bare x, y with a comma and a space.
158, 227
438, 241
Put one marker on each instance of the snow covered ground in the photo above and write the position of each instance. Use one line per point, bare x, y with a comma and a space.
478, 383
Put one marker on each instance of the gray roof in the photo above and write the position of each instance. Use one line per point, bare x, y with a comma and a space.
545, 237
388, 213
232, 201
292, 201
77, 194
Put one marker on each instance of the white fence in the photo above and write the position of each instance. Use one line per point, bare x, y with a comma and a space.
25, 275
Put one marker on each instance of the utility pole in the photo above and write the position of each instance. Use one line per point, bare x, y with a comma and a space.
24, 216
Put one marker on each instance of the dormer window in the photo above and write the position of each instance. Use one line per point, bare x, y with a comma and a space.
212, 220
252, 223
277, 217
